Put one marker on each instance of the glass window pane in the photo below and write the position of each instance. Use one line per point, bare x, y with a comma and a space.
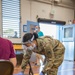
68, 32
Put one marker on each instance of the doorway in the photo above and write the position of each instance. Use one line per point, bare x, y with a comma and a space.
51, 27
50, 30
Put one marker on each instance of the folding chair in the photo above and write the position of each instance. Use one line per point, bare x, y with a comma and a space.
30, 70
19, 58
32, 59
6, 68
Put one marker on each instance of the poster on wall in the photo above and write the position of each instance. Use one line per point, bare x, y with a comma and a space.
24, 28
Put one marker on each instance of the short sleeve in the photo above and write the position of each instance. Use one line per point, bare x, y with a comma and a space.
12, 52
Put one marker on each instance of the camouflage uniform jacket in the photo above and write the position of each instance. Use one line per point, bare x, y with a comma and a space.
51, 48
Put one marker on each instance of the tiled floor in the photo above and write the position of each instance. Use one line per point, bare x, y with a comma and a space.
67, 68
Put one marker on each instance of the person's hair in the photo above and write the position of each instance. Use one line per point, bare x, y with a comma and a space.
35, 35
38, 27
28, 36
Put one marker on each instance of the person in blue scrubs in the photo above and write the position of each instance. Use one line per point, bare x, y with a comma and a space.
37, 30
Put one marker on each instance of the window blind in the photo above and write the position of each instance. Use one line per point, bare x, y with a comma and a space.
11, 18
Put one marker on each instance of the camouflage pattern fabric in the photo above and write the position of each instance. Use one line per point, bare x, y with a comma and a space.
52, 49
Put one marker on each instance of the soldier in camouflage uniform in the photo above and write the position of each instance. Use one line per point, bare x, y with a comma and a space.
51, 48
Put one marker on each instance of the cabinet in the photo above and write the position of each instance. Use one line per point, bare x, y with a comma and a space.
68, 39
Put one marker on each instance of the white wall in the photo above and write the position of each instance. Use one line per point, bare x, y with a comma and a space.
68, 1
43, 10
29, 11
64, 14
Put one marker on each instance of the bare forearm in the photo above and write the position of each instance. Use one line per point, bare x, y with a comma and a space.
13, 60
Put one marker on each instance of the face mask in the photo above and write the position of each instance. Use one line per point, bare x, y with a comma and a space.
36, 29
32, 47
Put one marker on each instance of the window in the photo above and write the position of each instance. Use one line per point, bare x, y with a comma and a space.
11, 18
68, 32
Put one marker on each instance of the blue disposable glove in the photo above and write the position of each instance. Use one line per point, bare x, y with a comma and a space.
42, 73
20, 73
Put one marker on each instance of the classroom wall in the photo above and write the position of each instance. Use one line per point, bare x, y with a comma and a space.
30, 10
43, 11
